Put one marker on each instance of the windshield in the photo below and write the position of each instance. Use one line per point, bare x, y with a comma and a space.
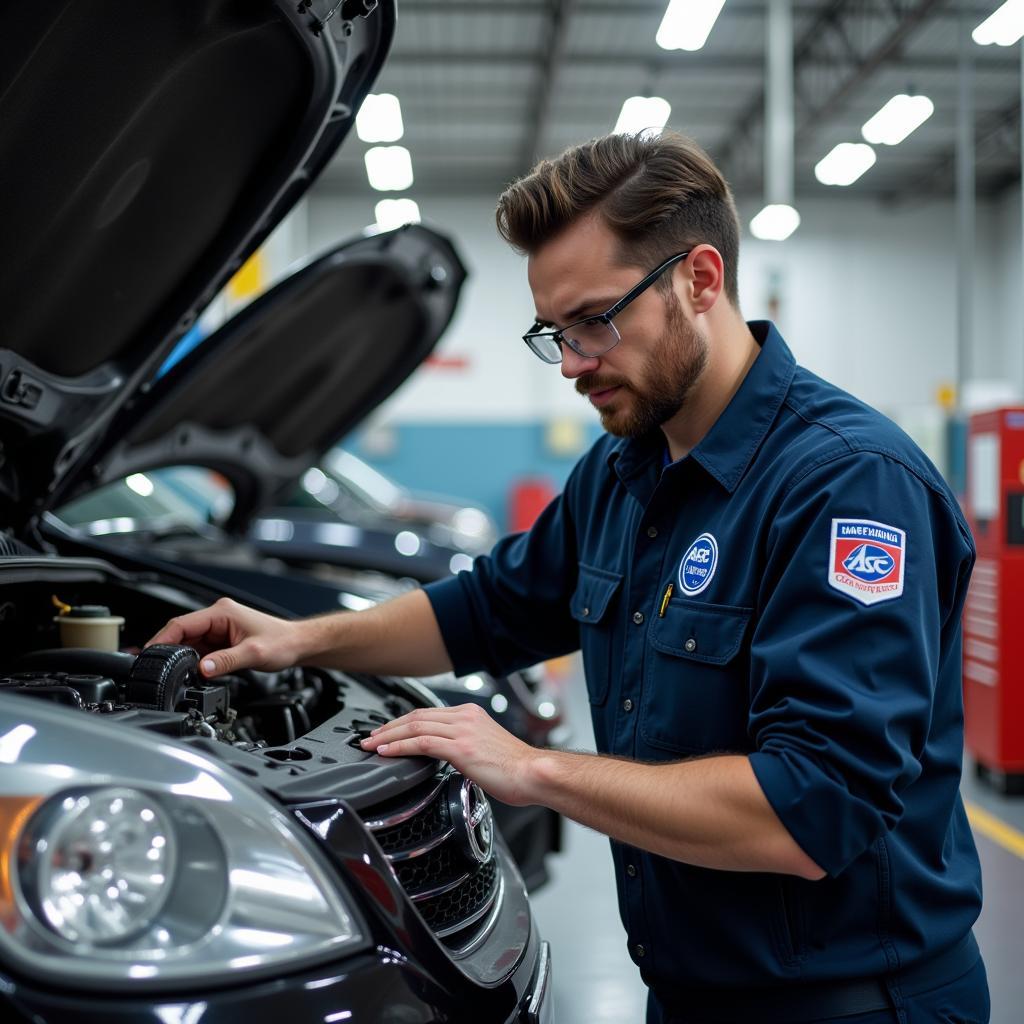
361, 481
176, 496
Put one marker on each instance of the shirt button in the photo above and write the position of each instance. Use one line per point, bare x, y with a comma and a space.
638, 618
690, 646
586, 613
627, 705
640, 951
652, 532
631, 870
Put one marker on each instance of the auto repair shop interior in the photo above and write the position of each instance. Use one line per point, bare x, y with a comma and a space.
262, 339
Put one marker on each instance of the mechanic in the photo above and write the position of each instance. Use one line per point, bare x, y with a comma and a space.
766, 579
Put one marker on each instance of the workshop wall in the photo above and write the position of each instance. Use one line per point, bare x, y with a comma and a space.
864, 293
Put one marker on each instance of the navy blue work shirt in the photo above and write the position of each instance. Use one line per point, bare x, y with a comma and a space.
818, 567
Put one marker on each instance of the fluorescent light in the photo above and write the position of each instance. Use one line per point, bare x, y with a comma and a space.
640, 113
140, 484
845, 164
1004, 27
897, 119
380, 118
775, 223
393, 213
688, 23
389, 168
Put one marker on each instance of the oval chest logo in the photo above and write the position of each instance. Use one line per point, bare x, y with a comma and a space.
697, 568
869, 563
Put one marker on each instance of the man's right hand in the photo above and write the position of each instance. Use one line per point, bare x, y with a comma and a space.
230, 637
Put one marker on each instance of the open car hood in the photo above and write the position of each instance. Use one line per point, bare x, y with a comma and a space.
145, 152
262, 398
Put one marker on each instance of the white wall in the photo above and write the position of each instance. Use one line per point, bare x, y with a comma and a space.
866, 297
1001, 353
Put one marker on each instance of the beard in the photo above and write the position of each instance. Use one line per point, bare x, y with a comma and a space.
667, 377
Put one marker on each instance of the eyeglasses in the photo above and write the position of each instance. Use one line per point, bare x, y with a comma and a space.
593, 335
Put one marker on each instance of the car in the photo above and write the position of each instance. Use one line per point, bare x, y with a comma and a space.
174, 849
407, 524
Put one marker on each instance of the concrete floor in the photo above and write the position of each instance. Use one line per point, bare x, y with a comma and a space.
595, 982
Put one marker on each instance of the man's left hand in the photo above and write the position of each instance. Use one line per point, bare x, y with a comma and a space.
468, 738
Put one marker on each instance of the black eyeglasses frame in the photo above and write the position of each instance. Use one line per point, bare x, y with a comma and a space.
532, 338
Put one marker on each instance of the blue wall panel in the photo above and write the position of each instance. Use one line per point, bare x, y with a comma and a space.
479, 462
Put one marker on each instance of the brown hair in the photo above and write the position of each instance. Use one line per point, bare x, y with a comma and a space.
660, 194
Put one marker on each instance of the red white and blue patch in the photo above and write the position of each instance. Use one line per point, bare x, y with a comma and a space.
866, 559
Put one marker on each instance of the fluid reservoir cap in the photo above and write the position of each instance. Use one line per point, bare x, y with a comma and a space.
88, 611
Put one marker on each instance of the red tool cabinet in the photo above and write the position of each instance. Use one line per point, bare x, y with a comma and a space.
994, 615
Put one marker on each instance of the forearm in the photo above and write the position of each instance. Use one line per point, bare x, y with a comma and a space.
710, 812
399, 637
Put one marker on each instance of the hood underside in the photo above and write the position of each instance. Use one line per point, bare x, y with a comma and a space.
275, 387
145, 152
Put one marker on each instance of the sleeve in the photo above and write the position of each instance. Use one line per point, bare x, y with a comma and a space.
512, 609
848, 648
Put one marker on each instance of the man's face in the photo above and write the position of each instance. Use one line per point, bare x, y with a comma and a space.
644, 381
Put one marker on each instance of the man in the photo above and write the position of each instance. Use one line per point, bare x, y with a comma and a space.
765, 578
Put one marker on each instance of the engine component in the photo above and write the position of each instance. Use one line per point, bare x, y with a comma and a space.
53, 661
42, 686
89, 689
160, 676
88, 625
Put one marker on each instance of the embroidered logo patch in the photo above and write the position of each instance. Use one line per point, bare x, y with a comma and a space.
866, 559
697, 568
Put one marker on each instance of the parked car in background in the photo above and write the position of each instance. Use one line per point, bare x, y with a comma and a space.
172, 848
358, 492
381, 525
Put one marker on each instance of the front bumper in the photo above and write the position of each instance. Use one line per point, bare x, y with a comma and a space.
371, 987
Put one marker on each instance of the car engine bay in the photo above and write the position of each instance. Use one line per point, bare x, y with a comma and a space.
285, 728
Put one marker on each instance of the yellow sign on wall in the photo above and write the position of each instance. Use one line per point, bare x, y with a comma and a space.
249, 280
945, 397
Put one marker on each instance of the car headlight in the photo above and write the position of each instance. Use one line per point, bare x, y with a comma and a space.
126, 860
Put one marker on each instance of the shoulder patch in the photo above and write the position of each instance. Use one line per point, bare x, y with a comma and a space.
866, 559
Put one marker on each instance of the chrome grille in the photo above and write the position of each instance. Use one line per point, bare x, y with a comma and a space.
455, 893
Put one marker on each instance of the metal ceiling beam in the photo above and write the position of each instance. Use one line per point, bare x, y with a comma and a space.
826, 45
561, 15
735, 9
1003, 125
672, 63
910, 21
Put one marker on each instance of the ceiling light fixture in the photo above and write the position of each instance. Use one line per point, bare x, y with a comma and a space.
1004, 27
775, 223
897, 119
845, 164
643, 114
380, 118
393, 213
688, 23
389, 168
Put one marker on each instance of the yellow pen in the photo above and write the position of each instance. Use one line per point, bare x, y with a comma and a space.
664, 601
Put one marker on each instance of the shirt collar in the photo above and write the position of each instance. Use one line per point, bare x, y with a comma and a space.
727, 449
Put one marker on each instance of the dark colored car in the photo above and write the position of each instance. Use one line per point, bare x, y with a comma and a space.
390, 528
171, 849
362, 489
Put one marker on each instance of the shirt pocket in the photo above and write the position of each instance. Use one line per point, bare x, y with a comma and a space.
591, 606
696, 684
